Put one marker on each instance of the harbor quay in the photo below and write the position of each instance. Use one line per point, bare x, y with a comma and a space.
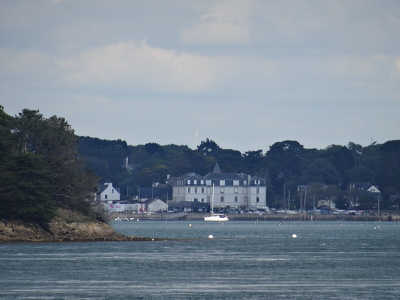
393, 216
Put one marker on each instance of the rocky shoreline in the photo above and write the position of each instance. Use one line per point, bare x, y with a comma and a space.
18, 232
66, 227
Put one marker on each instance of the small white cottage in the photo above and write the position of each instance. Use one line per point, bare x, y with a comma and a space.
108, 194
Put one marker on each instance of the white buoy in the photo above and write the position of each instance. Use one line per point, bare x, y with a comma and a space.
294, 235
210, 236
190, 225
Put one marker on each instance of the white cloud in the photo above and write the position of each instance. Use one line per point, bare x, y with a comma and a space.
142, 66
315, 71
226, 24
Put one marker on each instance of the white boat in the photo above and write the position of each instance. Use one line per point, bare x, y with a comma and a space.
215, 217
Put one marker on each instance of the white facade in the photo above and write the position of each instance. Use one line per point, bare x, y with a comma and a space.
108, 194
230, 189
156, 205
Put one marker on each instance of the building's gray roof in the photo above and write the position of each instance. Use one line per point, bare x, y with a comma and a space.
361, 185
216, 176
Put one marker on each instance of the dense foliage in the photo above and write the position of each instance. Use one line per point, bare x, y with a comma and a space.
43, 166
40, 168
285, 165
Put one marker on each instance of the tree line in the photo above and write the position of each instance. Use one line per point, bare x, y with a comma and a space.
41, 169
285, 166
44, 166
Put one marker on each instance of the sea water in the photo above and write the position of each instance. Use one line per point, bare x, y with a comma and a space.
243, 260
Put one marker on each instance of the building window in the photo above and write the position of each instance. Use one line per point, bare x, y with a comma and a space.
188, 190
208, 182
258, 190
202, 190
208, 199
188, 181
105, 197
222, 199
258, 200
202, 182
112, 191
236, 199
195, 190
194, 181
222, 190
245, 182
222, 182
236, 190
236, 182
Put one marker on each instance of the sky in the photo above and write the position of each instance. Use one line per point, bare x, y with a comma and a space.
243, 73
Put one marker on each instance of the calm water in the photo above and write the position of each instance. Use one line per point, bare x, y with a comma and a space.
245, 260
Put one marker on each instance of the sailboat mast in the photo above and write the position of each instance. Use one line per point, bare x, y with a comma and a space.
212, 200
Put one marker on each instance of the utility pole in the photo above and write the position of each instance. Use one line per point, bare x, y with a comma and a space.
379, 213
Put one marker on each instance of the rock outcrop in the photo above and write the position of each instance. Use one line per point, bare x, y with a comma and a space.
61, 230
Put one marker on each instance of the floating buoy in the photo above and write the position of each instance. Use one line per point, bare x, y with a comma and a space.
190, 225
210, 236
294, 235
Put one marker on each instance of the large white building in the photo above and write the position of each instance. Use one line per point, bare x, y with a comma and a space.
230, 189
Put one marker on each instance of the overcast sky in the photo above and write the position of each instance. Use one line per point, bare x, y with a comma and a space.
245, 74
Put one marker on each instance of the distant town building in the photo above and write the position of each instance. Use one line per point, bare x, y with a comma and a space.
360, 189
108, 194
364, 187
230, 189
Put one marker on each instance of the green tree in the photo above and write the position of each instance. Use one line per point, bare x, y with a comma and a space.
367, 202
356, 151
254, 162
72, 185
24, 192
321, 170
230, 161
284, 159
153, 148
24, 177
208, 147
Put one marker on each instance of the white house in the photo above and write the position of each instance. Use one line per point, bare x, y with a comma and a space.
156, 205
230, 189
364, 187
108, 194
